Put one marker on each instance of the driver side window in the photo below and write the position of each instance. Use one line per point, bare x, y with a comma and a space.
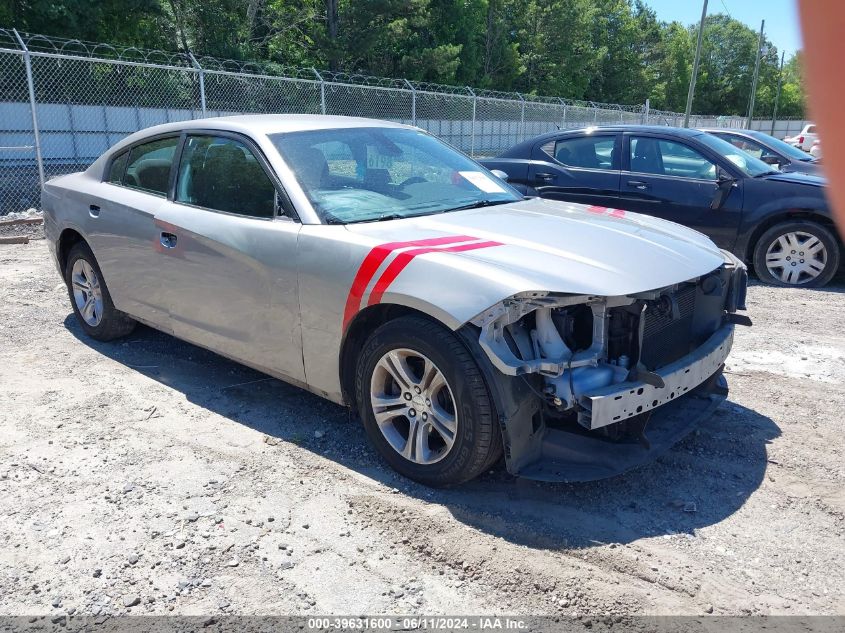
669, 158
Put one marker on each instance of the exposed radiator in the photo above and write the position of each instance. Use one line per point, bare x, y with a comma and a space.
667, 336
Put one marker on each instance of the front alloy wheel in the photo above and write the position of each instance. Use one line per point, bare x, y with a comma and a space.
424, 403
413, 406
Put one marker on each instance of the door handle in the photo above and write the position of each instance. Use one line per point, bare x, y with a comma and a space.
639, 184
544, 177
93, 210
168, 240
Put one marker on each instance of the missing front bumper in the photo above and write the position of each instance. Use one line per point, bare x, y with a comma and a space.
619, 402
694, 387
571, 457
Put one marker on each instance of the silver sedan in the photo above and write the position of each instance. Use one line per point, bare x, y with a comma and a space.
372, 264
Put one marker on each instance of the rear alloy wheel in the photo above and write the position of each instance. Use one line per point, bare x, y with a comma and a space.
797, 254
90, 297
424, 404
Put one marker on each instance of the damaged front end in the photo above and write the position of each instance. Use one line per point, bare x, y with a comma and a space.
590, 386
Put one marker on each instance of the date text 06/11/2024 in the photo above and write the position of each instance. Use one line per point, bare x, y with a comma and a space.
431, 623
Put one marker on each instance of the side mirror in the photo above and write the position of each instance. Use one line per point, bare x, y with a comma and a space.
724, 184
498, 173
770, 159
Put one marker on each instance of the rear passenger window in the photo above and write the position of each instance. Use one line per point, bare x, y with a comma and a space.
591, 152
223, 174
149, 165
118, 166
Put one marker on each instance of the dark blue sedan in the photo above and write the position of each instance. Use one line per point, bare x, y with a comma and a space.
778, 222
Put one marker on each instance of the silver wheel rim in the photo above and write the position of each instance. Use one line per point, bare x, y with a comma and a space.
413, 406
87, 293
796, 258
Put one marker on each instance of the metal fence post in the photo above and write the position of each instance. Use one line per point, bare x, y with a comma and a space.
322, 91
31, 87
521, 117
563, 119
472, 133
201, 73
413, 101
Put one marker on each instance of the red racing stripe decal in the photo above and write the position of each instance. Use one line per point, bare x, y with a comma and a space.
616, 213
403, 259
375, 258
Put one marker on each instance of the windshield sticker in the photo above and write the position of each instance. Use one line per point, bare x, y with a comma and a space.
378, 160
482, 181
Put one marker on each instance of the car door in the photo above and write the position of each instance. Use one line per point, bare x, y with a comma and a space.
581, 167
121, 227
673, 180
231, 259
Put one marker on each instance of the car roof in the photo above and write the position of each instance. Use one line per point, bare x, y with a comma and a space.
732, 130
261, 124
678, 132
280, 123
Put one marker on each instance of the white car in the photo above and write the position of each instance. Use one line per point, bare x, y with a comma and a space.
816, 149
805, 138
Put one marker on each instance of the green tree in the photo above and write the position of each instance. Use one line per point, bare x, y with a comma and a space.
555, 51
615, 51
673, 68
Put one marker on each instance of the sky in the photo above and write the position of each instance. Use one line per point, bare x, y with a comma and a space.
782, 25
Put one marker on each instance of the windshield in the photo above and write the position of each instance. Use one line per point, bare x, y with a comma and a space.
746, 163
782, 148
365, 174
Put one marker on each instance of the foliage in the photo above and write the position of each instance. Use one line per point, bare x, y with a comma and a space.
601, 50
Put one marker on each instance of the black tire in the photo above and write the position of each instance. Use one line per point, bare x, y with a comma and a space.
771, 236
113, 323
477, 440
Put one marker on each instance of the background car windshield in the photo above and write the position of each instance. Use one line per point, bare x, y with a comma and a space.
746, 163
783, 148
364, 174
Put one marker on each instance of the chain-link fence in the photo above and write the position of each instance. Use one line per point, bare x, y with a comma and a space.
64, 102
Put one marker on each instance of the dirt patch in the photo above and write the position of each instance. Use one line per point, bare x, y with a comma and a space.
150, 476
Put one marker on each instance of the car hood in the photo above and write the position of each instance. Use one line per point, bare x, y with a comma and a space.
797, 178
810, 167
544, 244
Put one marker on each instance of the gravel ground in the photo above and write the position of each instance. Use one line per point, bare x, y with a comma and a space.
149, 476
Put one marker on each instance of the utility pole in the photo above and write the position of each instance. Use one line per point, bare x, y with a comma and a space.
754, 81
691, 92
777, 94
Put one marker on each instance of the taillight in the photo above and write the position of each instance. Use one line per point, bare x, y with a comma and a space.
801, 140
